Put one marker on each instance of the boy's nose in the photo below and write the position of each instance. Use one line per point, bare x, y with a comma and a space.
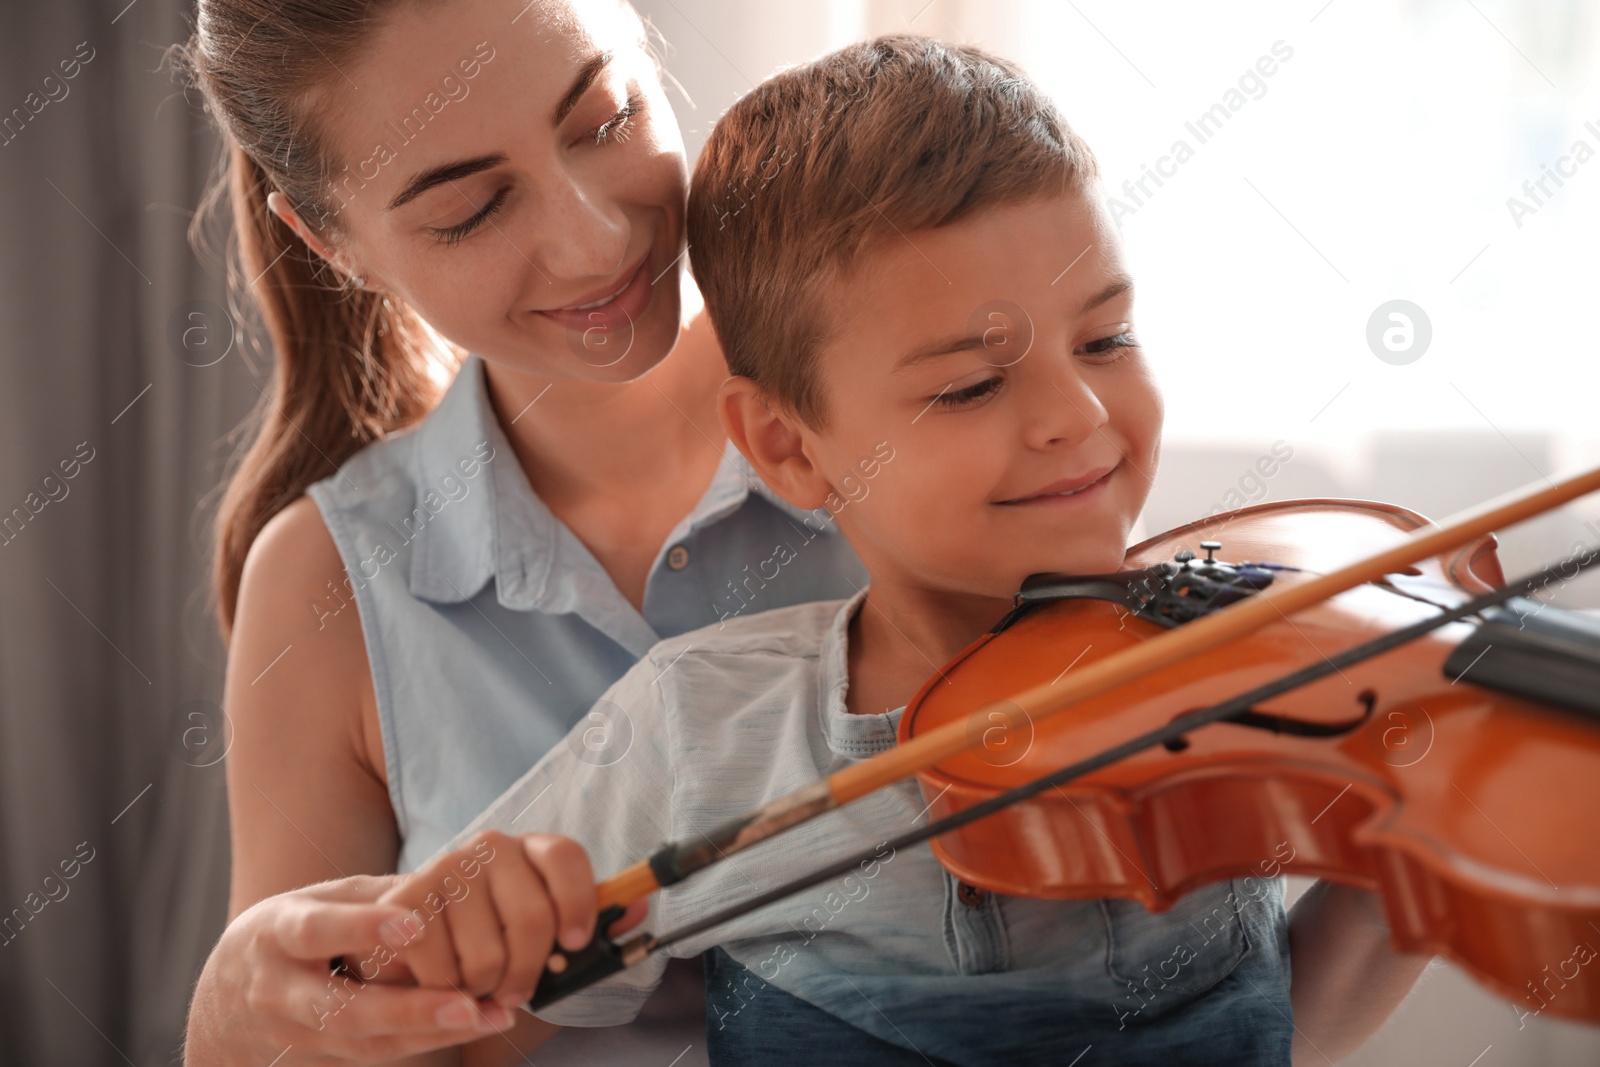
1065, 412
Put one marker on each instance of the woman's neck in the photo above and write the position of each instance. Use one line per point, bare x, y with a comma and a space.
577, 439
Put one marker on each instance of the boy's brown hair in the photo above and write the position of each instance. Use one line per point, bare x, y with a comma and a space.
878, 139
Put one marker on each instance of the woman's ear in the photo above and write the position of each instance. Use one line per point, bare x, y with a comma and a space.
774, 441
279, 205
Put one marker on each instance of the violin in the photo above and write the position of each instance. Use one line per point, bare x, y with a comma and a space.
1463, 804
1188, 720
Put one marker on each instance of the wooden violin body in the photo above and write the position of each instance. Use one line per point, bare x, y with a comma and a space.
1471, 811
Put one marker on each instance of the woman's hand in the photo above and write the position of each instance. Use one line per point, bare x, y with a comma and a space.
273, 960
483, 918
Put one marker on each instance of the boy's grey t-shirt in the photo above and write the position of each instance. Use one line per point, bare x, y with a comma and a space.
721, 720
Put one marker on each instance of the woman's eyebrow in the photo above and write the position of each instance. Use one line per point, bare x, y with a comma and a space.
580, 85
465, 168
450, 172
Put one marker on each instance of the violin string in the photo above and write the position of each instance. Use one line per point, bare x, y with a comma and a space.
1387, 584
1176, 728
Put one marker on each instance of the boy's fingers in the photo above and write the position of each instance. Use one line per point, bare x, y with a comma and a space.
495, 918
564, 866
475, 934
429, 955
432, 958
528, 926
311, 929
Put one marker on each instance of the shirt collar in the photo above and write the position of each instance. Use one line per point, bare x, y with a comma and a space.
489, 530
853, 736
491, 524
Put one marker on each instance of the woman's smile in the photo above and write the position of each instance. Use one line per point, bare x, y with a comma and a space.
614, 308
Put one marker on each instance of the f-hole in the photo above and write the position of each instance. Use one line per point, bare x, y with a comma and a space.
1286, 724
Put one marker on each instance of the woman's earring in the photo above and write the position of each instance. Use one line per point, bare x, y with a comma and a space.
356, 281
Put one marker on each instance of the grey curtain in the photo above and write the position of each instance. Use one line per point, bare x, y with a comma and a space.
113, 432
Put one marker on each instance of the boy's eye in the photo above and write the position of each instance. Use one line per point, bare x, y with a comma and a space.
957, 398
452, 235
1108, 348
617, 126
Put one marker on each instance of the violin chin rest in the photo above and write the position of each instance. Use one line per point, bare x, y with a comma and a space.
1529, 649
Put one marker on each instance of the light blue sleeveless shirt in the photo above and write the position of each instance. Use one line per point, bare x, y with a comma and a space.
491, 629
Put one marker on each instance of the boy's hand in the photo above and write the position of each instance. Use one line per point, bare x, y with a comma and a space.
485, 916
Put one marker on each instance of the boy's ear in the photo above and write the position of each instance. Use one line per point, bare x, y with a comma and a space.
773, 441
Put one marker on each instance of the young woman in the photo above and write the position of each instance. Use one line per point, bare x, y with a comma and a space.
412, 630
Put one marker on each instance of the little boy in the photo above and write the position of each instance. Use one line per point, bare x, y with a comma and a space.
929, 323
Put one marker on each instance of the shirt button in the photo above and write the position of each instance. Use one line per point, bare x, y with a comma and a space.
970, 895
678, 558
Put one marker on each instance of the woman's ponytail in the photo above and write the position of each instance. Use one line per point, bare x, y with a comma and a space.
349, 365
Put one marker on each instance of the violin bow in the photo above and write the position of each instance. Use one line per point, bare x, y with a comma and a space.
567, 972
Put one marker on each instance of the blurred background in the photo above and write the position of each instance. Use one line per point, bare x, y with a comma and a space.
1363, 233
